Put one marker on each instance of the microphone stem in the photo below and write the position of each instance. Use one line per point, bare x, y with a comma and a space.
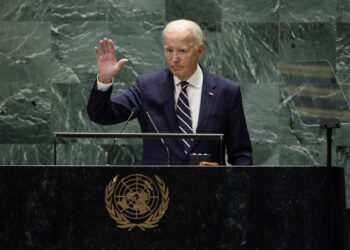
161, 139
115, 139
167, 151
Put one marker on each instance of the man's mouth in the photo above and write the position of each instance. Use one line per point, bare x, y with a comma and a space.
176, 67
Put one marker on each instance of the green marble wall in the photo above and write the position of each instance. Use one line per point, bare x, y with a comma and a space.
48, 66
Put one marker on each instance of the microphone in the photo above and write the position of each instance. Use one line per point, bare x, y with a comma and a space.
156, 129
133, 112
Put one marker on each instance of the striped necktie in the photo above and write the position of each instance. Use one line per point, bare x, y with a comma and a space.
183, 114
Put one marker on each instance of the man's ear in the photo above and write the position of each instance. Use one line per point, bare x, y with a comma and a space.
201, 50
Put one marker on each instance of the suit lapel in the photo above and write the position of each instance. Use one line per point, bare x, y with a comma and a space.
207, 104
168, 101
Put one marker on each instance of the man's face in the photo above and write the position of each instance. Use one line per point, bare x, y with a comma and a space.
182, 53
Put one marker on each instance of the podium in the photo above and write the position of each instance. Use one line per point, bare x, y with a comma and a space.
65, 207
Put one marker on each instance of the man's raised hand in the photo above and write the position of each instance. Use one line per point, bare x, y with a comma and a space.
107, 64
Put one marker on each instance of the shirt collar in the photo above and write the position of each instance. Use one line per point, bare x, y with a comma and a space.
195, 80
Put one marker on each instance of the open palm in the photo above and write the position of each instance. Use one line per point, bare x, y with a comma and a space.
107, 64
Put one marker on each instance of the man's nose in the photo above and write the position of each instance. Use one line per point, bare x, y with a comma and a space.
175, 57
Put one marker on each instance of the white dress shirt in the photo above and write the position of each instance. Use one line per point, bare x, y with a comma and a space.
103, 86
194, 93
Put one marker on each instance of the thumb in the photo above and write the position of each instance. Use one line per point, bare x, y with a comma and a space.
121, 63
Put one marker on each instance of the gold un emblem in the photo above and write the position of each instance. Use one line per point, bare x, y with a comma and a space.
136, 201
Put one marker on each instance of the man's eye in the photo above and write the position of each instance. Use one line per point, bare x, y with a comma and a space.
183, 51
169, 50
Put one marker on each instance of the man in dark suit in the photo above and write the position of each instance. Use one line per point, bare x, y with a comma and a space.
184, 98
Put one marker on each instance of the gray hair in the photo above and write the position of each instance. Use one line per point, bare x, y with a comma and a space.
183, 24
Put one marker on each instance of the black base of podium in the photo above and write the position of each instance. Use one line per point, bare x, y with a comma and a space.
261, 208
347, 219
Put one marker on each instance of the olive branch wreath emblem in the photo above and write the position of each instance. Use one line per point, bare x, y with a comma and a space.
122, 221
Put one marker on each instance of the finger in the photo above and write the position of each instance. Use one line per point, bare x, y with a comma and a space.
96, 52
111, 46
100, 46
121, 63
106, 45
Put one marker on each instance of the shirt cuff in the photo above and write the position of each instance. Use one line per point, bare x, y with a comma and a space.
103, 86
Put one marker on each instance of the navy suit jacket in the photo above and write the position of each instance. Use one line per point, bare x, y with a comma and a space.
221, 111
